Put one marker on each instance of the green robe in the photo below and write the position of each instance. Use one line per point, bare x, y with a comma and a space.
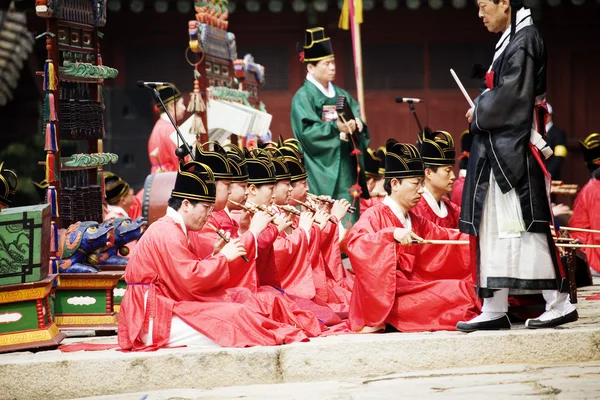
327, 158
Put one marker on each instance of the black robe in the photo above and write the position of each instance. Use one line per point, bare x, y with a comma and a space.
501, 128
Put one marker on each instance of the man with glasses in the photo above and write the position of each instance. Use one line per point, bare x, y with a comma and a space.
174, 298
396, 284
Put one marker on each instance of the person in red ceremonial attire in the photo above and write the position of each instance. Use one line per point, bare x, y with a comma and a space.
174, 298
586, 210
119, 197
282, 261
413, 287
161, 149
506, 206
437, 150
8, 186
333, 284
230, 167
463, 160
374, 171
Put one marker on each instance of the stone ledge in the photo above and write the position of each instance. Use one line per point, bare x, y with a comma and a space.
57, 375
70, 375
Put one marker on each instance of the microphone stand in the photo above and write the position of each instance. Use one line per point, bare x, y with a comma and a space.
187, 147
414, 113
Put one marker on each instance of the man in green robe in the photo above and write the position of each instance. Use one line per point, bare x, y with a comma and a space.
325, 139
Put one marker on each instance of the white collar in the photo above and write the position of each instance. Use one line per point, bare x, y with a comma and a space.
329, 92
462, 173
439, 209
164, 117
523, 20
178, 218
116, 210
549, 126
398, 212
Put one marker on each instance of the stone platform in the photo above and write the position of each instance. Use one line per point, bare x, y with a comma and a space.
56, 375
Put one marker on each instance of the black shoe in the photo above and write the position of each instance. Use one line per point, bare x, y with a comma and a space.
551, 323
492, 325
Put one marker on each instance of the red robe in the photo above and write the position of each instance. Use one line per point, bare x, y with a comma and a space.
586, 214
424, 210
274, 304
366, 203
179, 284
283, 262
160, 139
457, 190
135, 210
413, 288
339, 281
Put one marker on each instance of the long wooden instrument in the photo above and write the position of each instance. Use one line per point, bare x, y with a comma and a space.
311, 208
223, 236
329, 200
568, 228
252, 208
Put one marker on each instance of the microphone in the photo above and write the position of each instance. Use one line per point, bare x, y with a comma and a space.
152, 85
409, 100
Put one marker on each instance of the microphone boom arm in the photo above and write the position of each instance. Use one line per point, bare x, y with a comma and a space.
187, 147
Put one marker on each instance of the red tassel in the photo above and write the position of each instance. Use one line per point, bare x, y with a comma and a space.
50, 144
50, 168
52, 107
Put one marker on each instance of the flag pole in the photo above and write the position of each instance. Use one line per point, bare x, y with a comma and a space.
357, 50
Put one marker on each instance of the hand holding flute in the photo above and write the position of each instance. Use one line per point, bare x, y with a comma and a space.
330, 201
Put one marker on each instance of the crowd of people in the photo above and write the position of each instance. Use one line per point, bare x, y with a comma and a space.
259, 247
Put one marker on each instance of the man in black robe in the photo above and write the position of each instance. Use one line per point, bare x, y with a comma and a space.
505, 204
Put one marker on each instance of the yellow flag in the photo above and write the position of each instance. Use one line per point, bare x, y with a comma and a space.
345, 16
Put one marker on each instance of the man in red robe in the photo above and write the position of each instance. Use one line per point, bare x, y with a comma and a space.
437, 150
119, 196
230, 167
413, 287
463, 160
174, 298
161, 149
586, 210
374, 171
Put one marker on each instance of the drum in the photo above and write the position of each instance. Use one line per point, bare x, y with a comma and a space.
157, 191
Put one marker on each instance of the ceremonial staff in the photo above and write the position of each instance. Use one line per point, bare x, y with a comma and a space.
351, 18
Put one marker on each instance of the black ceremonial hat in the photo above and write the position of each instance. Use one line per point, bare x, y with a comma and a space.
115, 188
168, 94
281, 171
466, 140
261, 170
437, 148
237, 163
293, 161
41, 188
381, 155
8, 184
402, 160
317, 47
195, 181
372, 164
216, 159
590, 147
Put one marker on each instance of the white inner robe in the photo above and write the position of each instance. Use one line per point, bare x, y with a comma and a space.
515, 254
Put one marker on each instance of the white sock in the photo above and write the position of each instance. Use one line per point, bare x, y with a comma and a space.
487, 316
560, 302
